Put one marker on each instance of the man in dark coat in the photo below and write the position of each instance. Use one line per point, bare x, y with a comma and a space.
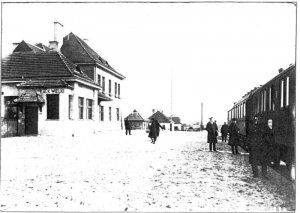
262, 139
224, 131
154, 130
127, 126
211, 135
216, 129
233, 141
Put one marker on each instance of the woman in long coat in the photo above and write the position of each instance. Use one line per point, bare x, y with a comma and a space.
233, 141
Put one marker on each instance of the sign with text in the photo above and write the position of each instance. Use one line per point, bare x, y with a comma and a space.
53, 91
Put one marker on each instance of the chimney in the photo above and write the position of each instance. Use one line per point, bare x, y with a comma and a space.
280, 70
15, 45
153, 111
53, 45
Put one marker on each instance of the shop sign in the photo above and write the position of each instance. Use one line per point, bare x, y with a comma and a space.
53, 91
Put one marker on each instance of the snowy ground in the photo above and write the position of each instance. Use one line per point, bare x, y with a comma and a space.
114, 172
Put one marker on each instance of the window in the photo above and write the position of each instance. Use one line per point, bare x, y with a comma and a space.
257, 104
287, 91
89, 109
109, 113
261, 101
99, 80
244, 111
52, 106
80, 107
118, 114
281, 93
70, 106
265, 100
270, 98
11, 109
101, 113
109, 87
116, 90
119, 86
103, 84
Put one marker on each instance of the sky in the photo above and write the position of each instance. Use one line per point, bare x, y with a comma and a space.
175, 56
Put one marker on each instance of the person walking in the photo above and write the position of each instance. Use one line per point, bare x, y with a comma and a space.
127, 126
211, 135
154, 130
224, 132
233, 141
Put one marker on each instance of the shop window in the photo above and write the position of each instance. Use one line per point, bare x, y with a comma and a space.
89, 109
109, 113
101, 113
80, 107
11, 109
52, 106
118, 114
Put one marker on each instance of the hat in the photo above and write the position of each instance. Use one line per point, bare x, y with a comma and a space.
211, 118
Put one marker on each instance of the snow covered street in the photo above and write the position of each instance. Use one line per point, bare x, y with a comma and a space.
115, 172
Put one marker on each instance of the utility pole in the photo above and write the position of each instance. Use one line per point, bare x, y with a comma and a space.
171, 120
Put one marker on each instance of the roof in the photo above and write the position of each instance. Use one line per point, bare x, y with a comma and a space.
176, 120
43, 84
160, 117
27, 97
78, 52
34, 65
135, 116
26, 47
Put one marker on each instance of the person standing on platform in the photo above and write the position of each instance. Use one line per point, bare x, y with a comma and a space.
233, 141
211, 135
224, 132
127, 126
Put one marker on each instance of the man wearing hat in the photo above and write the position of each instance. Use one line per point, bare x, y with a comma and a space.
211, 135
233, 141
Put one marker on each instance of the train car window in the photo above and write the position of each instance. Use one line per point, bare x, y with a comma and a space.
265, 100
281, 93
270, 98
287, 89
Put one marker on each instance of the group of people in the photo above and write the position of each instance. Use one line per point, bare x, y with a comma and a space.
259, 141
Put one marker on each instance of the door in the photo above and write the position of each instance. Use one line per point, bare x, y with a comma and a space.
31, 120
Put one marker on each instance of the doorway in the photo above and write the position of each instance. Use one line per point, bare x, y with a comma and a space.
31, 120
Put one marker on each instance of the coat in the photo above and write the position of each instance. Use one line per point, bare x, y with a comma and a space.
127, 124
261, 143
211, 133
154, 129
233, 131
224, 129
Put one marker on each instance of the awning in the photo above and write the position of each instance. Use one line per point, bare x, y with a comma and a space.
102, 97
29, 98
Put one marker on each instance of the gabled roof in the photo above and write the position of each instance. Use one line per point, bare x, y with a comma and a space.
78, 52
26, 47
160, 117
40, 65
135, 116
176, 120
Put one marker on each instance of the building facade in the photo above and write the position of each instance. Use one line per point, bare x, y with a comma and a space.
45, 93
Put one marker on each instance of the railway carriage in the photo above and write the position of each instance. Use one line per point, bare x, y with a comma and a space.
275, 100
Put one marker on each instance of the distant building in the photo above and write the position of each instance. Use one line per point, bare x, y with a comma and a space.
137, 121
48, 92
176, 123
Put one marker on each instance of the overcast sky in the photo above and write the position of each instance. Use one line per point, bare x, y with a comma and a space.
214, 52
